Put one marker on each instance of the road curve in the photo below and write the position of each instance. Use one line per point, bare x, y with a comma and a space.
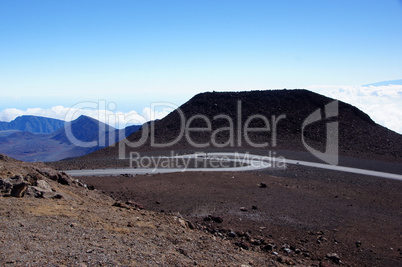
250, 161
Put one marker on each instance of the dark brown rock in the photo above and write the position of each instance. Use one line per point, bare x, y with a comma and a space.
121, 205
334, 257
242, 245
15, 186
268, 247
19, 189
232, 234
50, 173
65, 180
190, 225
40, 192
216, 219
134, 204
4, 158
5, 186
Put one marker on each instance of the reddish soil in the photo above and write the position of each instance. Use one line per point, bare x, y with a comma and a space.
314, 212
84, 227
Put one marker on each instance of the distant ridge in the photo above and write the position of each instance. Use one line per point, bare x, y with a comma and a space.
32, 124
85, 129
57, 145
385, 83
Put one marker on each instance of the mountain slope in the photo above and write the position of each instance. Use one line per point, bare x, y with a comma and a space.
84, 129
359, 136
77, 138
65, 223
33, 124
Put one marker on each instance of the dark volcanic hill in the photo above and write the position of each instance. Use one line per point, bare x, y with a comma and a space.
282, 112
77, 138
32, 124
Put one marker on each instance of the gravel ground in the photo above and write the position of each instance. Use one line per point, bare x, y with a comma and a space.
315, 212
88, 228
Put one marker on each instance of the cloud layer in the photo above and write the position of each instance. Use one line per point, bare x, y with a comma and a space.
382, 103
95, 110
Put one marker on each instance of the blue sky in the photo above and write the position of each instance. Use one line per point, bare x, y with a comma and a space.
135, 52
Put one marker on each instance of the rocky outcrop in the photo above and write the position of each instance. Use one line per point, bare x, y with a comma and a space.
15, 186
54, 175
19, 179
43, 190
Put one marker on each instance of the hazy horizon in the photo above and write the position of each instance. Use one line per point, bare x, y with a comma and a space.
381, 103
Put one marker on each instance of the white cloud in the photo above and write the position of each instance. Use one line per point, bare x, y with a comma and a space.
10, 114
382, 103
115, 119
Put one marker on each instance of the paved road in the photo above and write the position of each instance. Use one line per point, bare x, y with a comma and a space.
250, 162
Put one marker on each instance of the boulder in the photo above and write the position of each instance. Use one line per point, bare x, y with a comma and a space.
44, 185
268, 247
50, 173
5, 186
4, 158
19, 189
66, 179
216, 219
39, 192
34, 176
135, 204
54, 175
242, 245
334, 257
121, 205
190, 225
15, 186
232, 234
